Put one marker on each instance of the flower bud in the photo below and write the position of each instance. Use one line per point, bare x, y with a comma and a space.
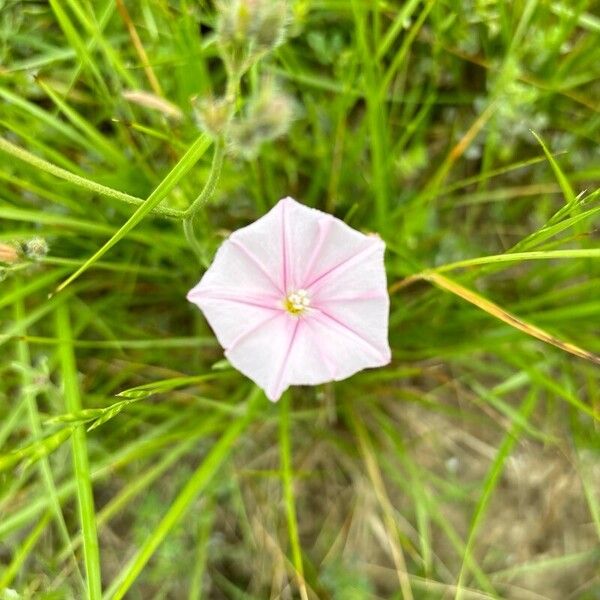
213, 115
269, 115
248, 28
268, 30
36, 248
9, 254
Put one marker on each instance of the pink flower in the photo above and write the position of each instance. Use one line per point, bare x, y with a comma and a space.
297, 298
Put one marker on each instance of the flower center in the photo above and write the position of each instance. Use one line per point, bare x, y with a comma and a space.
297, 303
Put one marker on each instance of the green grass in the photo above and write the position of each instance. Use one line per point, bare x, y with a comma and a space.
135, 463
81, 466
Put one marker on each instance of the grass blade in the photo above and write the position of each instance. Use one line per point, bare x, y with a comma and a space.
188, 160
197, 483
21, 555
491, 480
565, 186
30, 393
87, 513
374, 473
573, 253
288, 492
77, 180
503, 315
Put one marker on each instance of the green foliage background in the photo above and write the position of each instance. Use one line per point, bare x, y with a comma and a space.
135, 463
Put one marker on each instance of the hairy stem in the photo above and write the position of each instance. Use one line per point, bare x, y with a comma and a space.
204, 196
211, 183
82, 182
190, 236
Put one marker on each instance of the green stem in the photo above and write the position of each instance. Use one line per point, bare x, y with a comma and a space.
204, 197
190, 236
287, 476
211, 183
92, 186
231, 92
216, 166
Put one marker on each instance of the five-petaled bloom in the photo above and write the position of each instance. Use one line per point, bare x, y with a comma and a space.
298, 298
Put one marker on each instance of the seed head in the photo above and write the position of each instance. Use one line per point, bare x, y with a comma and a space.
268, 29
213, 115
36, 248
268, 116
247, 29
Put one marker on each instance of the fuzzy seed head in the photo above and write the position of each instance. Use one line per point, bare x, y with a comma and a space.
36, 248
213, 115
268, 116
247, 29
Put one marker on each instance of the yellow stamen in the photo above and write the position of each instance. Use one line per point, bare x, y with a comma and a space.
297, 303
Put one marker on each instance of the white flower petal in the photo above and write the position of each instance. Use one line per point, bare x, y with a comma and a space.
308, 351
262, 353
355, 295
231, 318
295, 251
316, 242
345, 349
263, 240
235, 272
288, 351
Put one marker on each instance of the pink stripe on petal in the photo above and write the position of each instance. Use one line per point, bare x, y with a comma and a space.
250, 256
350, 330
284, 248
325, 359
324, 227
252, 330
277, 388
345, 264
261, 301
